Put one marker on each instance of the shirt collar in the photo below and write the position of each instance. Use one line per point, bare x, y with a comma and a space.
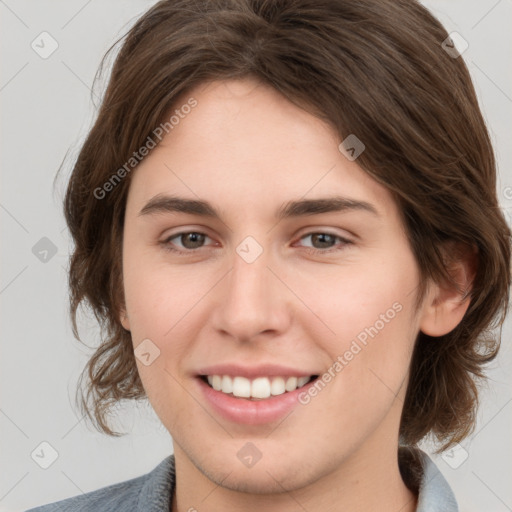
423, 477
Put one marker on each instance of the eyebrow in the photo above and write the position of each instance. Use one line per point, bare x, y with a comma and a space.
299, 208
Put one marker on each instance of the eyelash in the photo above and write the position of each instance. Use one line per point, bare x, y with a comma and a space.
310, 250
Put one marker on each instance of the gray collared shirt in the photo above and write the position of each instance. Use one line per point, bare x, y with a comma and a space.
153, 492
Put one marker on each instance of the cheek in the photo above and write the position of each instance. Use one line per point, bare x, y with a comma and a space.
370, 352
157, 294
355, 298
371, 316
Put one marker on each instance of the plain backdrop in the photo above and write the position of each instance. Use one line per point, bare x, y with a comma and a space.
46, 111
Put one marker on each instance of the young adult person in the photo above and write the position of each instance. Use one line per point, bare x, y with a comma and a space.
285, 218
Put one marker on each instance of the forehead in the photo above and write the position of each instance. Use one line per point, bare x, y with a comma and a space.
245, 145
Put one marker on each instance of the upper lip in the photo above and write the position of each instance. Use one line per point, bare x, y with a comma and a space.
252, 372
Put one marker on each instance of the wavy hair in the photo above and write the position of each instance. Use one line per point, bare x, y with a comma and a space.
374, 68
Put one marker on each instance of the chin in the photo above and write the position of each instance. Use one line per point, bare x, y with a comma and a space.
271, 476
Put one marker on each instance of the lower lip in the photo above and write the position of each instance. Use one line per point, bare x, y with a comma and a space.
252, 412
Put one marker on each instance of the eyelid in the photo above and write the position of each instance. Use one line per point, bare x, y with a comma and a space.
311, 230
167, 238
342, 240
181, 230
203, 231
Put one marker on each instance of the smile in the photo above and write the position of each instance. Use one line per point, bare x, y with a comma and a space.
259, 388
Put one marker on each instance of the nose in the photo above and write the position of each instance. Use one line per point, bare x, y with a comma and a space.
253, 301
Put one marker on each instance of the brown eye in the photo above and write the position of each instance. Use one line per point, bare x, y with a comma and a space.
192, 240
185, 241
324, 242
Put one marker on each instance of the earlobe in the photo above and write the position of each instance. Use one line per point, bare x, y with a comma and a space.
447, 303
125, 322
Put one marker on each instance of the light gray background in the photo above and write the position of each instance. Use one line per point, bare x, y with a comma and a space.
46, 111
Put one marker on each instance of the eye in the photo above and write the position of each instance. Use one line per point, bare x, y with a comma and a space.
189, 241
186, 241
325, 242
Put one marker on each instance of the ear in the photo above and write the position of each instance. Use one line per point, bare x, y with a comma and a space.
123, 318
447, 303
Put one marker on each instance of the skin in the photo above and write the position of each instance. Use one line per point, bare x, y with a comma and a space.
247, 150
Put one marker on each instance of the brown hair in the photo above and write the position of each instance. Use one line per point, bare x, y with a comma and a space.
373, 68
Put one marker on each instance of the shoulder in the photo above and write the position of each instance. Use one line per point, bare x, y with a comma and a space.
149, 492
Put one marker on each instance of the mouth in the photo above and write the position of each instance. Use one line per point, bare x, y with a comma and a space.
253, 395
260, 388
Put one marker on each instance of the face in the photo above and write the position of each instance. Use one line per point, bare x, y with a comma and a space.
297, 266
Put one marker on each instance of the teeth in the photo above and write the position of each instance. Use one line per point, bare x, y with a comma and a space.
227, 384
302, 380
259, 388
291, 384
278, 386
241, 387
217, 383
